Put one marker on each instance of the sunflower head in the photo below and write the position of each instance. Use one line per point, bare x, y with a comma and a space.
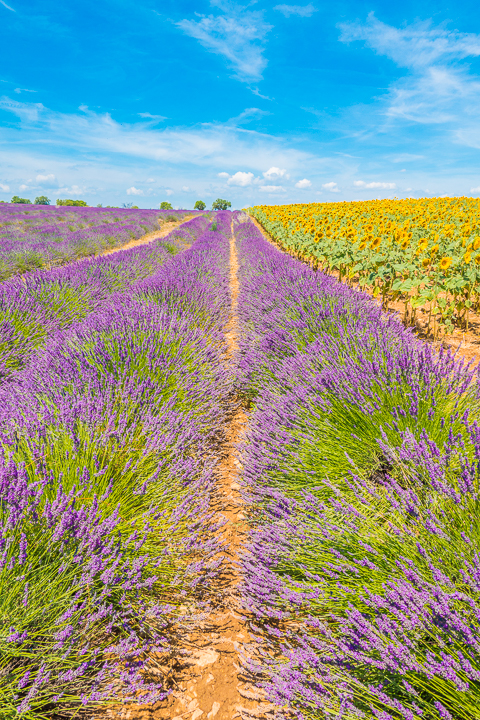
363, 245
426, 262
476, 243
376, 243
445, 263
404, 244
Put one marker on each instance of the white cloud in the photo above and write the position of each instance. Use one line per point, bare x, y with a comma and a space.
241, 179
45, 179
185, 188
238, 37
169, 192
223, 175
272, 188
403, 170
134, 191
302, 184
475, 190
4, 188
23, 187
7, 6
331, 186
371, 185
275, 173
302, 10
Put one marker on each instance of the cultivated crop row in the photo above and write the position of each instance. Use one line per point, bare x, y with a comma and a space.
44, 236
361, 457
112, 401
361, 467
425, 253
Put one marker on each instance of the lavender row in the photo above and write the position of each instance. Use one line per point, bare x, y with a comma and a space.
36, 306
362, 470
49, 236
108, 437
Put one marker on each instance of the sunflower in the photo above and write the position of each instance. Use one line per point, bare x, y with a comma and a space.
426, 262
445, 263
405, 243
476, 244
376, 243
363, 245
423, 245
467, 257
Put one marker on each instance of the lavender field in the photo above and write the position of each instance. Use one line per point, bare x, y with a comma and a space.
344, 543
38, 236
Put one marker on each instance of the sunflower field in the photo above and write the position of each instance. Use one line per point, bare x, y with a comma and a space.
424, 252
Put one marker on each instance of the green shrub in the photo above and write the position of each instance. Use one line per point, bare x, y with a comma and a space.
20, 201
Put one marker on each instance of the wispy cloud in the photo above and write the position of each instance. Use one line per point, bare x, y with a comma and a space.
415, 46
248, 115
374, 185
438, 89
149, 116
7, 6
272, 189
202, 145
47, 180
302, 10
238, 35
72, 190
134, 191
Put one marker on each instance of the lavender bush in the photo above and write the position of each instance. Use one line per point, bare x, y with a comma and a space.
361, 465
33, 237
107, 438
36, 306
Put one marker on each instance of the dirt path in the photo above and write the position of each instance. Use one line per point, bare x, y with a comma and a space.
211, 685
166, 229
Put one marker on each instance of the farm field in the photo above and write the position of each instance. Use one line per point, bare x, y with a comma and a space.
33, 237
418, 256
232, 486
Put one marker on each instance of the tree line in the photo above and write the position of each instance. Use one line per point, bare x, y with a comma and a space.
218, 204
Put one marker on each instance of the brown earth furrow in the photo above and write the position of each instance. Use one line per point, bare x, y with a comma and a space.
148, 237
210, 682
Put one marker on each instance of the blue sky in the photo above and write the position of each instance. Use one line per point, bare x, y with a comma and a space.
262, 102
